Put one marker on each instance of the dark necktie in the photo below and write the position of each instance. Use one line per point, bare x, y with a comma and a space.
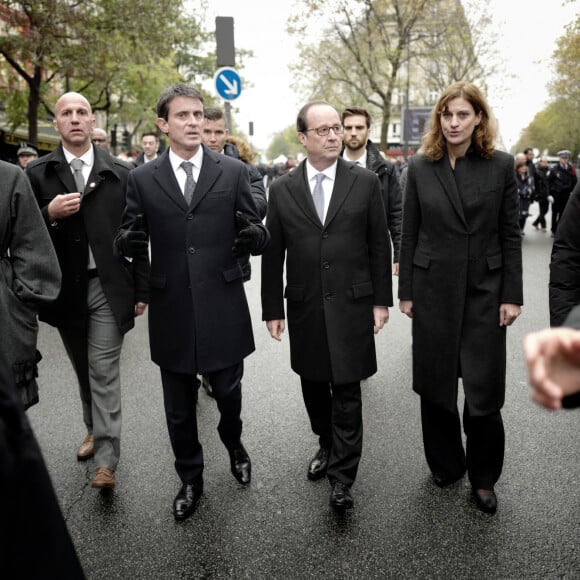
189, 182
77, 165
318, 196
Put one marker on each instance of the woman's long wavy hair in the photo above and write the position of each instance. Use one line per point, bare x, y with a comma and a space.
483, 139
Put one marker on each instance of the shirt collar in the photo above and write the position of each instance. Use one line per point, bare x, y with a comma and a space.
329, 172
88, 158
176, 161
362, 160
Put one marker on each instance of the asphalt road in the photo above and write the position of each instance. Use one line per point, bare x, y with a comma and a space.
281, 526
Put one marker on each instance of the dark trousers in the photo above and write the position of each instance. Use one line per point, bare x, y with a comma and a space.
558, 207
485, 442
180, 398
544, 206
335, 413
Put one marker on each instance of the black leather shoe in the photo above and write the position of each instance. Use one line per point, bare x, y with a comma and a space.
185, 500
318, 465
445, 481
241, 465
486, 500
341, 496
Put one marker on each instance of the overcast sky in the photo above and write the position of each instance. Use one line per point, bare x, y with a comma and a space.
528, 30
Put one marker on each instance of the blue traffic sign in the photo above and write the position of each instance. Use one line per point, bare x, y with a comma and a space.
228, 83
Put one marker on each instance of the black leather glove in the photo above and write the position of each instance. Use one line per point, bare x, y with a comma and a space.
250, 236
133, 241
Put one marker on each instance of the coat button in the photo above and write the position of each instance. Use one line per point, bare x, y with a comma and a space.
326, 265
328, 296
324, 235
191, 250
189, 216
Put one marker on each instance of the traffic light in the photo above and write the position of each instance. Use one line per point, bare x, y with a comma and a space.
127, 140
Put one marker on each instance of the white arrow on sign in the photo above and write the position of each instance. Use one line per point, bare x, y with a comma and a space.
231, 88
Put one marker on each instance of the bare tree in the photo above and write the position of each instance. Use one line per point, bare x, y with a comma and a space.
363, 55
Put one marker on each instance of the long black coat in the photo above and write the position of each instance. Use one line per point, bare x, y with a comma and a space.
460, 259
35, 539
335, 273
565, 262
29, 276
97, 223
199, 320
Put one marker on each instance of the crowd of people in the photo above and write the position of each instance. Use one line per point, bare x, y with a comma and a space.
90, 242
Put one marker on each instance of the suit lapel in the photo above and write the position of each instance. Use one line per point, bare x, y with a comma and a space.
63, 170
210, 171
342, 185
166, 180
299, 189
445, 176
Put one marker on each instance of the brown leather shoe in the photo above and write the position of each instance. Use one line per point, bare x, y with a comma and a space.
87, 448
104, 478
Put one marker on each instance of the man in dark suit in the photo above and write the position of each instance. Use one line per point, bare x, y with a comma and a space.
80, 189
149, 146
326, 219
196, 209
358, 148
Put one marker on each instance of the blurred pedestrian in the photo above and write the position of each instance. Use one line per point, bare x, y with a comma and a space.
100, 138
25, 154
29, 276
327, 222
542, 193
460, 281
562, 180
358, 148
196, 208
525, 193
529, 161
80, 189
150, 148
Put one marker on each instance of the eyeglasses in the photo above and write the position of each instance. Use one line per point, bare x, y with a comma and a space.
98, 140
324, 131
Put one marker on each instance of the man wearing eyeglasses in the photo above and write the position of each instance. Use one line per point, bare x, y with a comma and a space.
327, 222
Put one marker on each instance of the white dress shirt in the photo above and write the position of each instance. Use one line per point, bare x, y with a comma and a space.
180, 174
327, 183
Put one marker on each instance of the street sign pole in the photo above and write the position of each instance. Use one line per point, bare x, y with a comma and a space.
228, 116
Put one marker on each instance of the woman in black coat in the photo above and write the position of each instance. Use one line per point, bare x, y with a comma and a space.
460, 280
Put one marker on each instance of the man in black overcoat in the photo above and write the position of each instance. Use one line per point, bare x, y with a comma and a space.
327, 221
80, 189
196, 209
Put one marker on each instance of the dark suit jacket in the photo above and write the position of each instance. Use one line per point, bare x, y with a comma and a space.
199, 320
96, 223
460, 259
573, 321
335, 273
565, 262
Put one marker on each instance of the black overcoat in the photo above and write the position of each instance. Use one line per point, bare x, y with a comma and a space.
97, 222
199, 320
460, 259
565, 262
335, 273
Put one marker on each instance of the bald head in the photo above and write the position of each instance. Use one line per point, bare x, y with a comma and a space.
74, 121
100, 138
